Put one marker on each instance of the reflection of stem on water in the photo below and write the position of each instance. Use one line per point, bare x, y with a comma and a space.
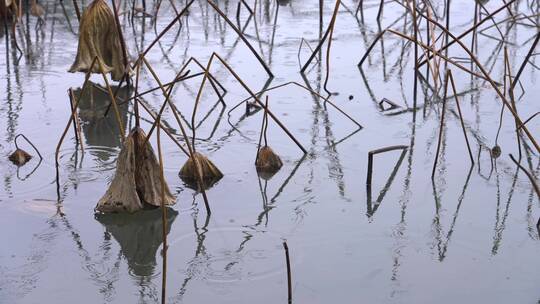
500, 222
373, 206
442, 245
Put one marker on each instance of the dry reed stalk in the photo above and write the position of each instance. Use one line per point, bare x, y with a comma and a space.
239, 33
469, 30
526, 60
528, 119
168, 101
211, 78
76, 122
163, 32
153, 115
76, 104
489, 79
325, 99
122, 41
485, 76
259, 102
178, 78
289, 275
302, 42
331, 27
77, 11
451, 77
512, 97
399, 34
323, 39
379, 151
113, 99
415, 29
184, 134
529, 175
380, 11
441, 127
163, 220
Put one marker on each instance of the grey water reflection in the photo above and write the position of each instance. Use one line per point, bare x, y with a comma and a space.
480, 222
100, 129
139, 237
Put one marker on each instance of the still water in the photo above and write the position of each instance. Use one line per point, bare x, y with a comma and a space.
469, 236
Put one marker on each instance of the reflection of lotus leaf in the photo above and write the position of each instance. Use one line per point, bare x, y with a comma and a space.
139, 236
98, 129
283, 2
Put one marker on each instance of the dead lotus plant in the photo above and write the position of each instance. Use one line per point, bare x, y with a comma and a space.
99, 37
137, 182
197, 166
20, 157
267, 162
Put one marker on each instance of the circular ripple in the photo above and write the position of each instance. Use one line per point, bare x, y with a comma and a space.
233, 254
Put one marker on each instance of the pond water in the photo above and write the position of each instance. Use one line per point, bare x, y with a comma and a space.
468, 236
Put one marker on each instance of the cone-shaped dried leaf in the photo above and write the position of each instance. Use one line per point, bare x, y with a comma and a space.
98, 36
122, 194
148, 172
20, 157
268, 162
208, 171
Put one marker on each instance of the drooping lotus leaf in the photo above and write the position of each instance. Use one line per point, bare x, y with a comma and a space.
200, 165
148, 173
268, 162
98, 36
137, 181
20, 157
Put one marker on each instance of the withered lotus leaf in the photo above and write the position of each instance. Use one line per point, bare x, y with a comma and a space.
268, 161
148, 172
137, 180
98, 36
20, 157
200, 165
122, 193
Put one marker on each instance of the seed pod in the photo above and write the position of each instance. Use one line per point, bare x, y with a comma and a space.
200, 164
98, 36
496, 152
268, 162
20, 157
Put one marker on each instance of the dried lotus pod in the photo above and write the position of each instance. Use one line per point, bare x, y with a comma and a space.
208, 172
496, 152
20, 157
268, 162
98, 36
